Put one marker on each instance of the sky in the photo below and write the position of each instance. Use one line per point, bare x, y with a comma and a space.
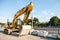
42, 9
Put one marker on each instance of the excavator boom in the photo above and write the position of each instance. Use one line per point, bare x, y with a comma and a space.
26, 11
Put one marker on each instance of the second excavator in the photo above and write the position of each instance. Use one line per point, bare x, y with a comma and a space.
13, 27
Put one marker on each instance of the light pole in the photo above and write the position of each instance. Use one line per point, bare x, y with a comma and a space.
32, 21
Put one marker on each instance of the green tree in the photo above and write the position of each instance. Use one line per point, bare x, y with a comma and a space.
2, 24
54, 21
35, 21
59, 21
44, 24
29, 22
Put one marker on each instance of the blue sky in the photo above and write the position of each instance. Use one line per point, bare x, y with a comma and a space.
42, 9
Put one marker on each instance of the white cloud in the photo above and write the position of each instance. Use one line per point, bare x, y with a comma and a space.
3, 19
44, 12
47, 14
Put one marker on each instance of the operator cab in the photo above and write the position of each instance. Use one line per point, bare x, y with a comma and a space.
19, 24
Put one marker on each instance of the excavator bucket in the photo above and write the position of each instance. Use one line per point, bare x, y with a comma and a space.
25, 30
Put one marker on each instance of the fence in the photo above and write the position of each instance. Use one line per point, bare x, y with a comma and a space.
51, 30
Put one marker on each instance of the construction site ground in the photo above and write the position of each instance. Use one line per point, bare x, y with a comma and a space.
15, 36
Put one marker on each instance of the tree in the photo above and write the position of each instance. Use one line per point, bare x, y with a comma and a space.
35, 21
44, 24
29, 21
54, 21
59, 21
2, 24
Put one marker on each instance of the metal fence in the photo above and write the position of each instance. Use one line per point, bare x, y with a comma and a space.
51, 30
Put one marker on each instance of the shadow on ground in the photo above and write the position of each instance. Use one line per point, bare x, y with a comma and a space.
46, 38
15, 34
1, 31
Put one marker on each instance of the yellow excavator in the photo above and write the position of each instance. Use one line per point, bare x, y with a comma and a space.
13, 27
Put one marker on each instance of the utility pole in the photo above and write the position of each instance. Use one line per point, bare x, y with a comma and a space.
32, 21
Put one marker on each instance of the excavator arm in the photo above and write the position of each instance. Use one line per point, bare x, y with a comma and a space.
26, 11
20, 12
